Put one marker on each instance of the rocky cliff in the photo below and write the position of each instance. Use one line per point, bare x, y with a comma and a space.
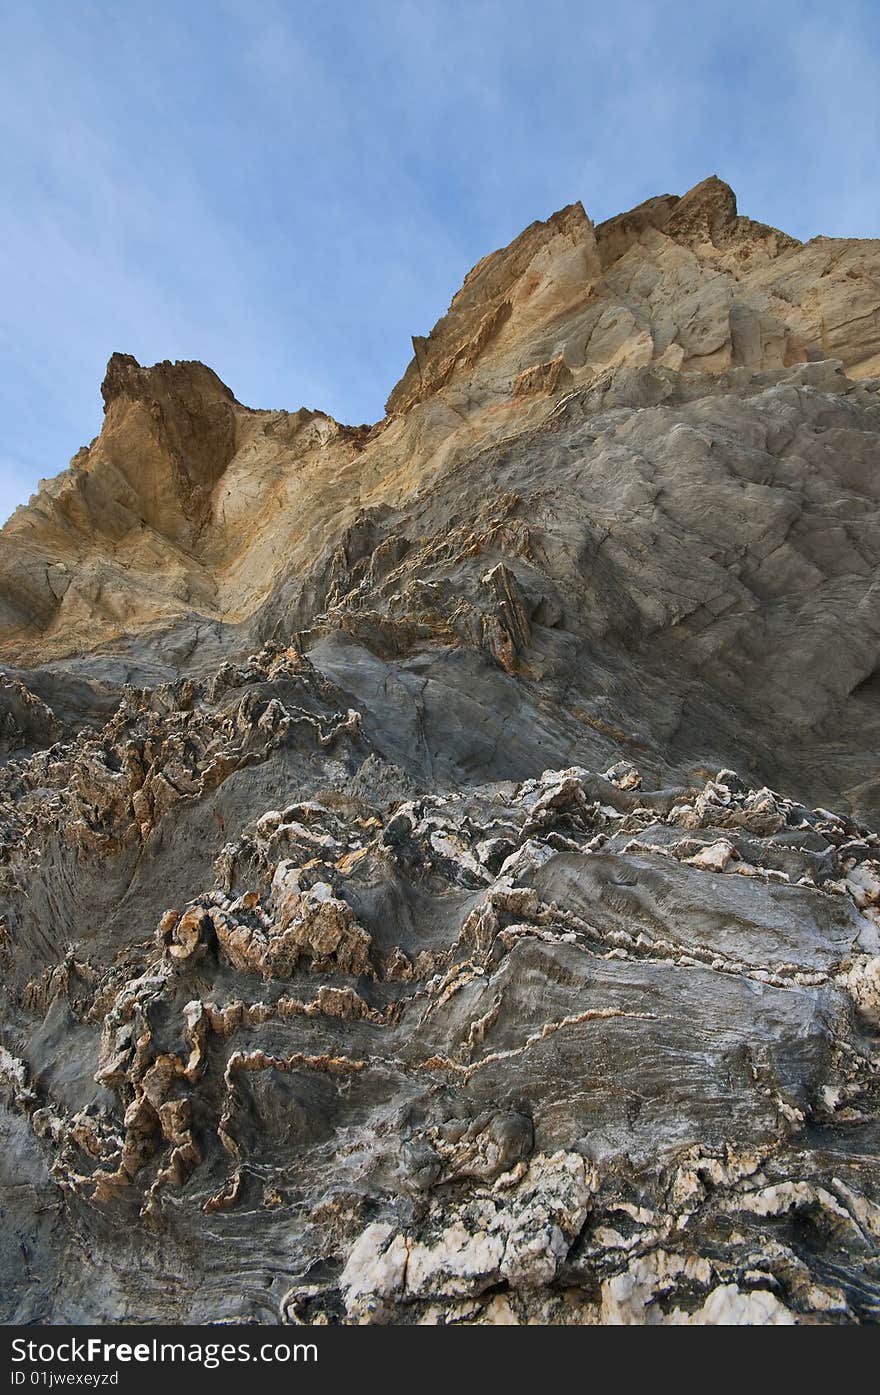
439, 868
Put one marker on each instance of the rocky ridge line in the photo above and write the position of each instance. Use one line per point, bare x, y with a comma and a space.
400, 920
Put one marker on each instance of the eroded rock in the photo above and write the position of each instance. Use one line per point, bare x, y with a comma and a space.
439, 877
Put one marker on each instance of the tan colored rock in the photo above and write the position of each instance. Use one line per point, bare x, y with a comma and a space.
714, 857
188, 503
862, 981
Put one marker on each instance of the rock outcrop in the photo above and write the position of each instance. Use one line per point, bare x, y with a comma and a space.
439, 861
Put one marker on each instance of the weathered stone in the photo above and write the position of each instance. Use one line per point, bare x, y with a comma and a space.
337, 983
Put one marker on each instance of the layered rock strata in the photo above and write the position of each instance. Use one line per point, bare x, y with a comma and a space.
439, 868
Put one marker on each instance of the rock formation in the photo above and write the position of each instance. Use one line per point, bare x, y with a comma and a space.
439, 860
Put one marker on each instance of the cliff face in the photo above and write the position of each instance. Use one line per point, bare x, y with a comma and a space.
399, 921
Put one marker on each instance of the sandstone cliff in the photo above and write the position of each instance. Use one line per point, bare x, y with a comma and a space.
439, 877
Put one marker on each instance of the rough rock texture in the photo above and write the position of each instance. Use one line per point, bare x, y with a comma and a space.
439, 868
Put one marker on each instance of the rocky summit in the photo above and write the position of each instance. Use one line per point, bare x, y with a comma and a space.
439, 860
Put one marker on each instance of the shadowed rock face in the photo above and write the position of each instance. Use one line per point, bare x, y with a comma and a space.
421, 896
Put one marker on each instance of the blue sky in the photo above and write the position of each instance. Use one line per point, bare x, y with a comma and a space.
289, 189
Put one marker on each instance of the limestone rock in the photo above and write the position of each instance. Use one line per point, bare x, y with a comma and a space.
439, 861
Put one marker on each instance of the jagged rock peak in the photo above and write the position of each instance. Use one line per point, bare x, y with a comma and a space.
709, 206
190, 503
488, 297
545, 291
125, 377
708, 213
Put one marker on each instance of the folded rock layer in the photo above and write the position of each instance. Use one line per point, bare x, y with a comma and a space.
439, 868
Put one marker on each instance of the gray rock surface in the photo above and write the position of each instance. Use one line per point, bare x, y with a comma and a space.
439, 867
